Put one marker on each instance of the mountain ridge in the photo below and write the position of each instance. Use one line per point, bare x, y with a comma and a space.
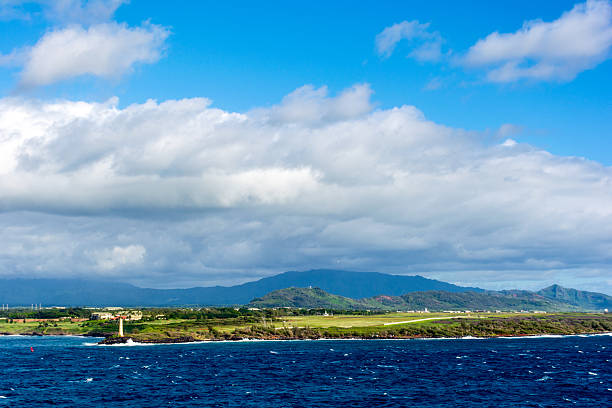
316, 298
347, 284
79, 292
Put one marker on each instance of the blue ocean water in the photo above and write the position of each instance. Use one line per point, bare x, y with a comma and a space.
527, 372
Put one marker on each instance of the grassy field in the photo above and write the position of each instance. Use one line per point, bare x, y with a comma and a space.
19, 327
347, 321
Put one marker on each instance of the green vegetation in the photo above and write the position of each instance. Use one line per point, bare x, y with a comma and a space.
305, 298
579, 298
312, 313
181, 325
52, 313
431, 300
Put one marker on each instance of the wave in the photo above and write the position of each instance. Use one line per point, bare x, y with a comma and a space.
553, 336
131, 343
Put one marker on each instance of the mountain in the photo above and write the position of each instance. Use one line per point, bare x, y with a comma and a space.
437, 300
579, 298
315, 298
72, 292
374, 291
310, 298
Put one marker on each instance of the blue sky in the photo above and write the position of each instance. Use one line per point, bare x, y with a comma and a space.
244, 55
216, 142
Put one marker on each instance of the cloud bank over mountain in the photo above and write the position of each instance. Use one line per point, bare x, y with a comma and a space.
179, 192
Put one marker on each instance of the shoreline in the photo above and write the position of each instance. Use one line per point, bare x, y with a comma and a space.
129, 341
364, 328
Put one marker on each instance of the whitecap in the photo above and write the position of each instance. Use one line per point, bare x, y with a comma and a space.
273, 352
89, 380
543, 378
592, 373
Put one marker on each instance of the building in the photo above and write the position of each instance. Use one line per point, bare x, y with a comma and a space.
102, 316
124, 314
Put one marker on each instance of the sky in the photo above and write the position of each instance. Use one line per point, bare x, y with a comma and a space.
203, 143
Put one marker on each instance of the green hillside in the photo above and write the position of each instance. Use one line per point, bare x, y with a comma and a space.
311, 298
579, 298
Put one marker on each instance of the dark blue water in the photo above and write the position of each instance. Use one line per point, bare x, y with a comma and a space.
528, 372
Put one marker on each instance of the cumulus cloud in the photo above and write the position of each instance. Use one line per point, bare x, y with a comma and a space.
559, 50
117, 257
181, 193
81, 11
426, 44
83, 40
61, 11
311, 105
105, 50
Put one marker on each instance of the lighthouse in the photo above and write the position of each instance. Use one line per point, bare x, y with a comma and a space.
120, 326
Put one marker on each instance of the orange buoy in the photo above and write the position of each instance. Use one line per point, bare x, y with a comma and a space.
32, 349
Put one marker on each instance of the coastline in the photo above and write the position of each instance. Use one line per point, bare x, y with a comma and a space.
183, 331
129, 342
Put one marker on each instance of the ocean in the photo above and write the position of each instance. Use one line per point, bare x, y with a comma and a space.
571, 371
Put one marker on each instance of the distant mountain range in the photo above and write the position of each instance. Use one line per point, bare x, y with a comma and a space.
553, 298
72, 292
349, 287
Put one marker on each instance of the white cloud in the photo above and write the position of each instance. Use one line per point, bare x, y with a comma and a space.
62, 11
426, 45
106, 50
508, 129
14, 59
82, 12
310, 105
559, 50
117, 257
218, 196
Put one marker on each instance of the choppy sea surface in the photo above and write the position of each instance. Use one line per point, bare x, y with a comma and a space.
572, 371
